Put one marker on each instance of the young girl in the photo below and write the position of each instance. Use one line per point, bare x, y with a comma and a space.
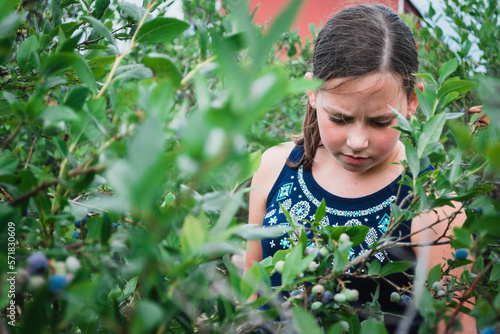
349, 153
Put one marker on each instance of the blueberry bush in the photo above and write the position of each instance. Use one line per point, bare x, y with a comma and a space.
127, 139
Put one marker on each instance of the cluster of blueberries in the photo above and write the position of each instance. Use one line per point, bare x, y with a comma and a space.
80, 225
38, 267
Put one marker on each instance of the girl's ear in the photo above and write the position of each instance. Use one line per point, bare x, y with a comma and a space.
413, 101
311, 94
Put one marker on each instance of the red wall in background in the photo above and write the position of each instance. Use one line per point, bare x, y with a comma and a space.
312, 11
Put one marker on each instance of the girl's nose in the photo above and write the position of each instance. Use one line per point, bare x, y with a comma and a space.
357, 138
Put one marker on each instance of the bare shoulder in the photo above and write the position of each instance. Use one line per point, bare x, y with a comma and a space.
271, 165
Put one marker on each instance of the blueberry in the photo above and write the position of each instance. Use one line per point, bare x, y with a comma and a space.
318, 290
279, 266
316, 306
395, 297
80, 223
461, 254
37, 263
313, 250
115, 225
313, 266
437, 286
351, 295
311, 298
76, 235
405, 300
56, 283
327, 297
340, 298
489, 330
345, 325
296, 292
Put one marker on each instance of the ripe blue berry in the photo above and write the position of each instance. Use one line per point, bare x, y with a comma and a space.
76, 235
461, 254
489, 330
115, 225
80, 223
311, 298
296, 292
56, 283
37, 263
405, 300
327, 297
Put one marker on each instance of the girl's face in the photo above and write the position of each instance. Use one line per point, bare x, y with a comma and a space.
355, 121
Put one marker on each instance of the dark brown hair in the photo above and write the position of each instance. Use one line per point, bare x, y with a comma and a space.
355, 42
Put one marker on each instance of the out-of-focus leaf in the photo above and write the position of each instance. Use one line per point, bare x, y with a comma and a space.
305, 322
133, 11
101, 29
193, 234
84, 73
100, 8
163, 67
28, 56
55, 63
134, 71
57, 113
161, 30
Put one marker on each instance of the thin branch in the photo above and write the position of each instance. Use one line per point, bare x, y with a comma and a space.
6, 194
31, 152
127, 50
47, 184
12, 136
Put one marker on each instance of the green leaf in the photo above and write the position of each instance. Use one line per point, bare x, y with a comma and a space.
253, 161
133, 11
163, 67
161, 30
300, 85
133, 71
100, 8
395, 267
85, 74
55, 63
55, 7
489, 226
295, 264
495, 272
320, 212
8, 165
412, 158
305, 322
101, 29
458, 86
434, 275
374, 267
427, 76
403, 123
147, 316
193, 234
448, 68
456, 169
431, 134
57, 113
27, 55
423, 103
101, 61
76, 97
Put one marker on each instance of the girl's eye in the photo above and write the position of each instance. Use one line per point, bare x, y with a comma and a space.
382, 124
338, 120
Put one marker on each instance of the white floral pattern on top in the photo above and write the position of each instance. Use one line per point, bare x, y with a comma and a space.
336, 212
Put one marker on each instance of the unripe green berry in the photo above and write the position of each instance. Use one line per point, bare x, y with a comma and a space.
313, 266
344, 237
437, 286
324, 251
345, 325
351, 295
395, 297
339, 298
316, 306
441, 293
318, 290
279, 266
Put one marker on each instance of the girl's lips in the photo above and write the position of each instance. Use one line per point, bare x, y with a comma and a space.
355, 160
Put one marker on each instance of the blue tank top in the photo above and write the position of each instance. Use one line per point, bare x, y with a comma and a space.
299, 194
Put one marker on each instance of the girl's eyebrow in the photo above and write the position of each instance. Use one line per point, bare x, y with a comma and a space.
340, 114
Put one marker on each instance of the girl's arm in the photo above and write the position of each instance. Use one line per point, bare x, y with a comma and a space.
263, 180
439, 254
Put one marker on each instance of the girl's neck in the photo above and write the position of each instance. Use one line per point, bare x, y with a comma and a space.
331, 176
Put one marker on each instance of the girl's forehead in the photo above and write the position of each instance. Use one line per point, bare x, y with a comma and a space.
368, 84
